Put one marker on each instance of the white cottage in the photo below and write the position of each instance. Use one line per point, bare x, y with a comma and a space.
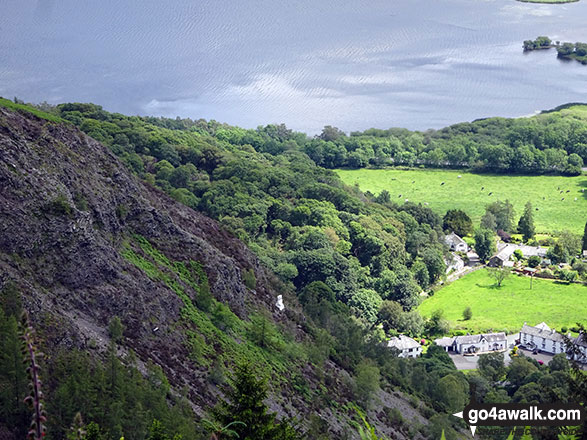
456, 243
480, 343
543, 338
407, 346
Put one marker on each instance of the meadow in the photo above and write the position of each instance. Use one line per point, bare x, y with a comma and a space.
471, 192
507, 308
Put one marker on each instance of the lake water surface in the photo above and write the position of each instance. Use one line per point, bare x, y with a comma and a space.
354, 64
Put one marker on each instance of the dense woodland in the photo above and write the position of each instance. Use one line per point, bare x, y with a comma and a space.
357, 264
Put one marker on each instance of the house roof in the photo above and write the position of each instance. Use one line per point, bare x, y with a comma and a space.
454, 239
581, 340
543, 331
505, 252
476, 339
444, 342
402, 342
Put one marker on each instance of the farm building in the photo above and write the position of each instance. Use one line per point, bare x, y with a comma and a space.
505, 251
456, 243
543, 338
407, 346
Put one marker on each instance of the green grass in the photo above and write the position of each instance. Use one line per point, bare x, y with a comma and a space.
26, 108
219, 331
508, 307
465, 193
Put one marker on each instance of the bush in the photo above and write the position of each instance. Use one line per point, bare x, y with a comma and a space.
249, 279
467, 314
534, 261
58, 206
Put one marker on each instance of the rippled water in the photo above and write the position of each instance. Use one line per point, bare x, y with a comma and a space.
354, 64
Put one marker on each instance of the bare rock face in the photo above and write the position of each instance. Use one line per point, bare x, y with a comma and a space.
67, 207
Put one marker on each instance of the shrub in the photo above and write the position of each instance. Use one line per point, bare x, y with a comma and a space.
58, 206
115, 329
249, 278
467, 314
534, 261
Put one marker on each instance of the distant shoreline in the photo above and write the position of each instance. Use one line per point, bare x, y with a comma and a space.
565, 51
548, 1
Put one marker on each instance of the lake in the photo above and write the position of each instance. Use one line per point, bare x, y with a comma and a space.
353, 64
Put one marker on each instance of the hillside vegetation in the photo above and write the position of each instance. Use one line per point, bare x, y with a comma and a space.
125, 282
152, 254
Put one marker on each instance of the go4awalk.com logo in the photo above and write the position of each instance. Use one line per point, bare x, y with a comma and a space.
520, 414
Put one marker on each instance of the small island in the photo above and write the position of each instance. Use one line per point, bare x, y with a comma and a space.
566, 51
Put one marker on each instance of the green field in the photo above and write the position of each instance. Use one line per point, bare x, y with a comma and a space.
508, 307
466, 193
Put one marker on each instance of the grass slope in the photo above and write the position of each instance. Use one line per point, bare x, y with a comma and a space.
27, 108
508, 307
465, 193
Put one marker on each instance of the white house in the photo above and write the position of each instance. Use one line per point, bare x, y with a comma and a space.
543, 338
407, 346
456, 243
480, 343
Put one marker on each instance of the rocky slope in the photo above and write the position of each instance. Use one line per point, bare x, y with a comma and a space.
72, 219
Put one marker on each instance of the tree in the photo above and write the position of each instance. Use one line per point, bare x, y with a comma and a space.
534, 261
330, 133
467, 313
458, 222
492, 366
519, 370
115, 329
499, 274
504, 214
246, 405
484, 243
526, 223
366, 380
434, 261
157, 431
390, 315
584, 244
565, 49
437, 325
570, 242
488, 221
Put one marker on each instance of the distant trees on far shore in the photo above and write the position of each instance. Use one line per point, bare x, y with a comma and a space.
576, 51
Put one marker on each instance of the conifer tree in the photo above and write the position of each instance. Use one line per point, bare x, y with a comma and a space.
526, 223
246, 405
